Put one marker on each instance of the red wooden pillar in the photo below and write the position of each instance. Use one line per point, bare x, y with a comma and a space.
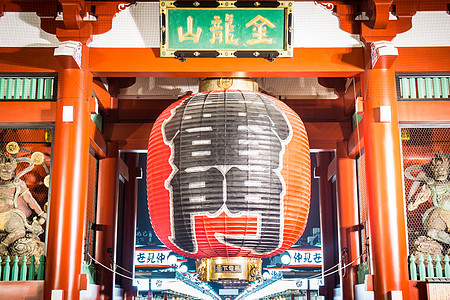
327, 224
108, 183
69, 180
130, 215
347, 204
384, 183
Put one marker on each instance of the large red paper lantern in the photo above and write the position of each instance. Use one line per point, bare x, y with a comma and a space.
228, 174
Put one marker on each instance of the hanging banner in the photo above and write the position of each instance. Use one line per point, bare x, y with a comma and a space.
226, 29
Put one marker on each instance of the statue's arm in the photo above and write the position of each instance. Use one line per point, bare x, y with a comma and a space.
32, 203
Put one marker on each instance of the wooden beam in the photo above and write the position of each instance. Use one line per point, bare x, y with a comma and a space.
356, 141
102, 94
134, 136
97, 140
129, 136
325, 135
123, 170
311, 62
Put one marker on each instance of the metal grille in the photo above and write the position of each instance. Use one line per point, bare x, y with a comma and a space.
34, 143
423, 87
91, 209
27, 88
426, 154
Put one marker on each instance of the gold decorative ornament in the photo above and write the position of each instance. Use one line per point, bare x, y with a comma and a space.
47, 181
38, 158
225, 83
214, 84
240, 268
12, 148
48, 135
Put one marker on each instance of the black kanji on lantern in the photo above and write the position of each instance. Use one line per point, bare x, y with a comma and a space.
227, 150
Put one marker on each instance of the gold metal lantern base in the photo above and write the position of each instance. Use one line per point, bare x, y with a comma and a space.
241, 268
228, 83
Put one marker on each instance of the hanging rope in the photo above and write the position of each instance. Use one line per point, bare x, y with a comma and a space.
108, 268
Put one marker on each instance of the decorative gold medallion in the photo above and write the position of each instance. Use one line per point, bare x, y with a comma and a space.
47, 181
38, 158
225, 83
214, 84
12, 148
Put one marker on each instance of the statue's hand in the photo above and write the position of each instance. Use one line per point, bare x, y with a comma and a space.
422, 196
411, 206
42, 218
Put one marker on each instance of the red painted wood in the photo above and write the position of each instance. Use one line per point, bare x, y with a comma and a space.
69, 183
384, 185
347, 205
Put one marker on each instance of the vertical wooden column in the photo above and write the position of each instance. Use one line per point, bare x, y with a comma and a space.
108, 183
327, 223
130, 216
69, 184
384, 183
347, 204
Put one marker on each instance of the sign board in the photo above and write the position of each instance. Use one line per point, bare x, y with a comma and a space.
305, 258
152, 258
314, 284
226, 29
142, 284
228, 292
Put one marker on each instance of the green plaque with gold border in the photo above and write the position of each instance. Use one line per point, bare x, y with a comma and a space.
226, 29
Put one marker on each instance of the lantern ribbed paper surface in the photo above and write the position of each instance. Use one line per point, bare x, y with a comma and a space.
228, 174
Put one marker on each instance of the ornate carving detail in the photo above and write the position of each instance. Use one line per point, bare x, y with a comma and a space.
254, 269
325, 5
123, 6
47, 181
38, 158
12, 148
225, 83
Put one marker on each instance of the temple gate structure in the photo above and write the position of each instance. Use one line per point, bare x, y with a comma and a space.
82, 82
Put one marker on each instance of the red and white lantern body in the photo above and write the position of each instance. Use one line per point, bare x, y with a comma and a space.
228, 174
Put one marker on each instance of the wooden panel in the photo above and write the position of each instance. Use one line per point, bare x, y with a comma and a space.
423, 59
27, 112
313, 62
424, 112
22, 290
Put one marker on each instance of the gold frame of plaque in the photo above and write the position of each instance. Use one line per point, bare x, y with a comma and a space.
241, 268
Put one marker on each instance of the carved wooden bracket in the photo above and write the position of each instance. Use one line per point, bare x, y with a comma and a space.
372, 18
380, 13
73, 12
